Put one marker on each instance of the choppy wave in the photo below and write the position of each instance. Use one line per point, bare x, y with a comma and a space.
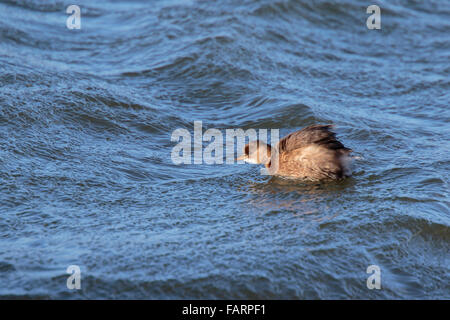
86, 177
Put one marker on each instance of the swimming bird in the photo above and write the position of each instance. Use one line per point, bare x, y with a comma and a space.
312, 153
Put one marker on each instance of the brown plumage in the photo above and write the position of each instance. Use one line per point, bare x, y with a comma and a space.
312, 153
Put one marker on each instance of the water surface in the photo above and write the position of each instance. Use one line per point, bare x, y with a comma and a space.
86, 176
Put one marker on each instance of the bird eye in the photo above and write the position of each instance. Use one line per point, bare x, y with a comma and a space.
246, 149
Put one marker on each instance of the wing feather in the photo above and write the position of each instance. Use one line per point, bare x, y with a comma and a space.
312, 135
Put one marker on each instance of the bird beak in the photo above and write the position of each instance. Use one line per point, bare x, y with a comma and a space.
242, 157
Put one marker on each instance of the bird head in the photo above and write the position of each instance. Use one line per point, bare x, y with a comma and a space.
256, 152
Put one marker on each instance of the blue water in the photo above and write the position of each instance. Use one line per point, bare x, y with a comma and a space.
86, 176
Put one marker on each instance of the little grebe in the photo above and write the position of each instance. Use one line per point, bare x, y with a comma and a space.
312, 153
